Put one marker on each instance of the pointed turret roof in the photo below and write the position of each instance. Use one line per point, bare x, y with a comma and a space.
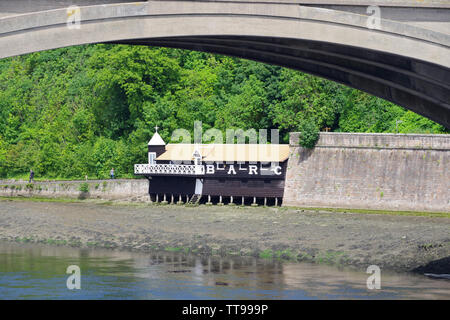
156, 140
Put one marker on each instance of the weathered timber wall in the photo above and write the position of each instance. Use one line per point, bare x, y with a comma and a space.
370, 171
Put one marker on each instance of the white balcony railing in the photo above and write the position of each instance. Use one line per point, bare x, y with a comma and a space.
181, 169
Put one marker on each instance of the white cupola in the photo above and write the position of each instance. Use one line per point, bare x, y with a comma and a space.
156, 140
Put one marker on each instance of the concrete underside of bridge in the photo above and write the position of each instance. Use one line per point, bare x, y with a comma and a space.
400, 80
400, 62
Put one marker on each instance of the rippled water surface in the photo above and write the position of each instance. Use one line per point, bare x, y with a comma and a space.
39, 272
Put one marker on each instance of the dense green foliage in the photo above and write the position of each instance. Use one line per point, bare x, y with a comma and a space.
80, 111
309, 133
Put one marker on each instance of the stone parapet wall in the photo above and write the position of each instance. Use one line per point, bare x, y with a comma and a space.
116, 189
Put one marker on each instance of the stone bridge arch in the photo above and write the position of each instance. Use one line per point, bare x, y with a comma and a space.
403, 63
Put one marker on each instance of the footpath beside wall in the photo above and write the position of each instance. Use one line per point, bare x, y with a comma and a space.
116, 189
370, 171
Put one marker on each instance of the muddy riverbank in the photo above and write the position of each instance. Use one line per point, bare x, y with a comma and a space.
400, 243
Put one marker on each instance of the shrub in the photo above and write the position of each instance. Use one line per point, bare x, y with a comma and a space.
84, 187
309, 133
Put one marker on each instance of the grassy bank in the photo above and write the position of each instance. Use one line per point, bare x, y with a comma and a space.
26, 177
40, 199
282, 209
371, 211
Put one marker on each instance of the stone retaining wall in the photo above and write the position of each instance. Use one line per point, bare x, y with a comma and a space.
125, 189
370, 171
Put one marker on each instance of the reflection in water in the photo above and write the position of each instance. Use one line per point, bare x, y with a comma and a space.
38, 271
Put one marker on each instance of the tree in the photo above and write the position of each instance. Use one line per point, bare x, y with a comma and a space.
81, 110
309, 133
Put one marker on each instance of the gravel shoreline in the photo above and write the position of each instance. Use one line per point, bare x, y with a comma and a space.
398, 243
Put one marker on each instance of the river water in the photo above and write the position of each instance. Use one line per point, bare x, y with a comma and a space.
30, 271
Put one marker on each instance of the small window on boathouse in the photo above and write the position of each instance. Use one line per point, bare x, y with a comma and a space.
152, 157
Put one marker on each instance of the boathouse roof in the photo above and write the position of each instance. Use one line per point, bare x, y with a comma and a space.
227, 152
